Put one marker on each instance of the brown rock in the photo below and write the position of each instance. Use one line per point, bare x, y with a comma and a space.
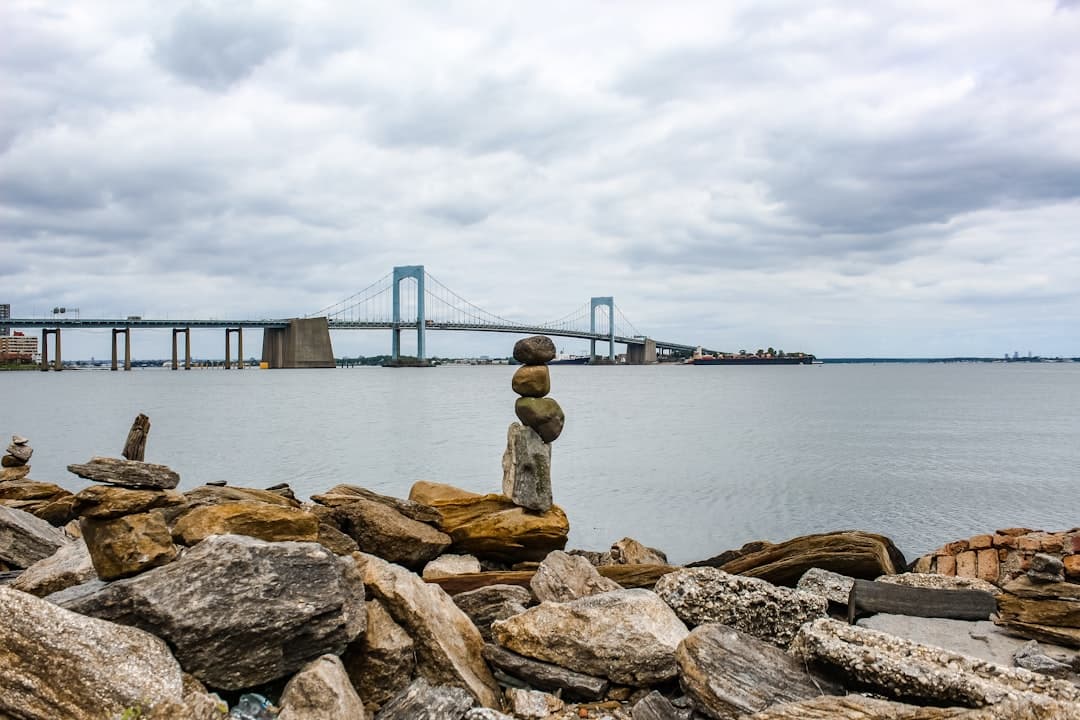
541, 414
258, 520
1072, 566
381, 662
336, 541
491, 526
532, 381
967, 564
629, 551
8, 474
129, 473
1041, 610
956, 547
980, 542
1014, 532
217, 495
321, 691
345, 494
987, 563
946, 565
1052, 544
1028, 543
104, 502
30, 490
68, 566
535, 350
853, 553
383, 531
448, 645
562, 578
128, 545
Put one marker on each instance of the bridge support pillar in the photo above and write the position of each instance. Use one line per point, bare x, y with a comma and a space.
58, 363
609, 303
643, 354
305, 343
403, 272
239, 348
126, 332
186, 332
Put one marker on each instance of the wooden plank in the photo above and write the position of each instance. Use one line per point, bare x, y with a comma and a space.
868, 597
135, 446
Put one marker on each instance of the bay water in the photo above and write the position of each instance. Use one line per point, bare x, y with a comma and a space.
691, 460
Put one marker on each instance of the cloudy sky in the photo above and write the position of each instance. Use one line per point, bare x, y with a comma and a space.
845, 178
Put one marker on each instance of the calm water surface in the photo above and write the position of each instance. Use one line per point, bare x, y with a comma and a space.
693, 460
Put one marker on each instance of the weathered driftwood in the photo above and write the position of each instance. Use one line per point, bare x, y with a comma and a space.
853, 553
135, 447
629, 576
868, 597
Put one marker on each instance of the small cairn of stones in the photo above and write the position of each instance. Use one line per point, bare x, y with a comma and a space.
17, 458
527, 460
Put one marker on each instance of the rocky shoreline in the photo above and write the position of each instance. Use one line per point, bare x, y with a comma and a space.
130, 600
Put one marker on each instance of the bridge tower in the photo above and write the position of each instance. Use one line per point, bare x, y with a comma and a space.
403, 272
609, 303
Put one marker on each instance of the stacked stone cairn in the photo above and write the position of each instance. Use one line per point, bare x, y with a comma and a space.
16, 463
527, 460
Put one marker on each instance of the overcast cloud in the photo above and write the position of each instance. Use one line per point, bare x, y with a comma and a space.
850, 179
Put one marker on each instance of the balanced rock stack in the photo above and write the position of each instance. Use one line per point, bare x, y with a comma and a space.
527, 460
15, 463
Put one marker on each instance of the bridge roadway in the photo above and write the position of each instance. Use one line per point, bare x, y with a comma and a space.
86, 323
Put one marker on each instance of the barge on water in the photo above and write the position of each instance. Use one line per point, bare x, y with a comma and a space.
759, 358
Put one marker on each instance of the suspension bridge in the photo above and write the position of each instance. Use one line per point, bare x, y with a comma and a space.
407, 299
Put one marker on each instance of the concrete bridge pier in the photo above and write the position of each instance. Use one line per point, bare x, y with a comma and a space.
45, 333
126, 332
643, 354
239, 348
186, 332
305, 343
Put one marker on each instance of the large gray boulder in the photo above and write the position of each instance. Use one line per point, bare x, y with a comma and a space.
238, 611
526, 465
708, 595
909, 671
321, 691
448, 645
25, 539
628, 636
728, 673
68, 566
562, 578
59, 664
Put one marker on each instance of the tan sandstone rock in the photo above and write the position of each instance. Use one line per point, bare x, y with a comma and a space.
128, 545
272, 523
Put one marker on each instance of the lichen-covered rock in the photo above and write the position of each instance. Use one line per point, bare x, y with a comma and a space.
127, 545
708, 595
382, 660
544, 415
526, 465
68, 566
728, 673
906, 670
238, 611
531, 381
321, 691
273, 523
535, 350
60, 664
834, 587
628, 636
495, 602
25, 539
448, 645
562, 578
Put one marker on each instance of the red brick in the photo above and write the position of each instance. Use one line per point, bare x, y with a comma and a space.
1052, 544
980, 542
1014, 532
1072, 566
988, 565
1028, 543
1073, 543
1004, 541
1002, 554
946, 565
955, 548
967, 564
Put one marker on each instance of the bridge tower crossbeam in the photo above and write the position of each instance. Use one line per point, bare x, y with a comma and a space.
609, 303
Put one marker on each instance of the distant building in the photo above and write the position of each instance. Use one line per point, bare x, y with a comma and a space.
5, 315
18, 348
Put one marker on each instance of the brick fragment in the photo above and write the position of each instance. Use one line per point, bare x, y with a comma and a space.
1074, 543
1014, 532
955, 548
980, 542
924, 564
946, 565
1004, 541
1028, 543
1072, 566
987, 562
1052, 544
967, 564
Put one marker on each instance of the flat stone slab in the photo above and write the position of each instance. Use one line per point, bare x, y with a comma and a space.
126, 473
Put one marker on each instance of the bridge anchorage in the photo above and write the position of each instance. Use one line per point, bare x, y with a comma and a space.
404, 299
